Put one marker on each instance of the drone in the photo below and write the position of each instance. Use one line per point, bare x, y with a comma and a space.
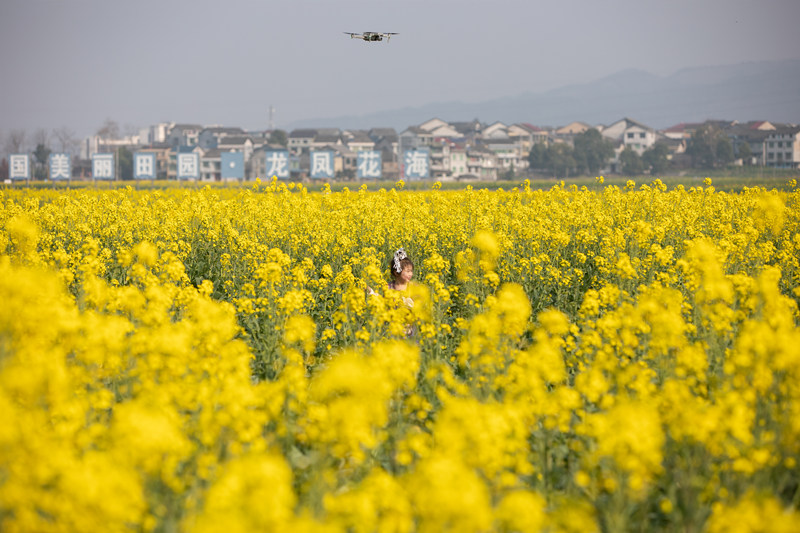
370, 36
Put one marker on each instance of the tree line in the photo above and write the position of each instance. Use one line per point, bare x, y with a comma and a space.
590, 153
40, 145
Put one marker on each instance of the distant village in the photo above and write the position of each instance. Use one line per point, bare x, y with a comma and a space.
457, 150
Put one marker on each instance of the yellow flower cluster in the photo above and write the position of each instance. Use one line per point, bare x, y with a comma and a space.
565, 360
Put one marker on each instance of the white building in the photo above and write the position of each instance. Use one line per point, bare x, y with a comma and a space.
300, 140
482, 163
631, 134
528, 135
358, 140
237, 144
184, 135
96, 144
498, 130
782, 147
211, 165
438, 128
157, 133
509, 152
458, 161
212, 136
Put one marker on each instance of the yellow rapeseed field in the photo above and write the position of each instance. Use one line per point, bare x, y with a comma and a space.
207, 360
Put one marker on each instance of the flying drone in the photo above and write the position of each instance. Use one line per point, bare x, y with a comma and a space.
371, 36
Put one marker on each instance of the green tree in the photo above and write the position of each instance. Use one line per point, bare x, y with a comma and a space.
41, 155
278, 137
709, 147
701, 147
724, 151
630, 162
537, 158
125, 164
656, 158
592, 151
560, 160
745, 153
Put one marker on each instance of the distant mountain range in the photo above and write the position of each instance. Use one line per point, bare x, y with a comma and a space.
763, 90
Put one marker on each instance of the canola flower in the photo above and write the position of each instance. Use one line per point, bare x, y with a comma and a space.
192, 360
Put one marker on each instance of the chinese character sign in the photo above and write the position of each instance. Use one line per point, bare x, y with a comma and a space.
20, 167
60, 168
368, 164
103, 166
144, 166
232, 165
416, 164
188, 166
322, 164
277, 164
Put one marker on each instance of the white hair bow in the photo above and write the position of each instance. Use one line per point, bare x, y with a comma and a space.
399, 255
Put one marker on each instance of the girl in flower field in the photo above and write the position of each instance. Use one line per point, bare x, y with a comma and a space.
402, 271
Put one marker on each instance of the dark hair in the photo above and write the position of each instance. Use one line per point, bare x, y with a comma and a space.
403, 264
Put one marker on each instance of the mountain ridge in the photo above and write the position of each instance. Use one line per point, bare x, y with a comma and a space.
753, 90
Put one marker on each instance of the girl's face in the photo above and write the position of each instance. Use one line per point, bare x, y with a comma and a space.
407, 273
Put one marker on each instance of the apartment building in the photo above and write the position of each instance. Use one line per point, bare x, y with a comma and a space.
782, 148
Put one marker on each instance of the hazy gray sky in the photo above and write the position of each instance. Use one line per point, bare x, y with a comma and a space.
77, 62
